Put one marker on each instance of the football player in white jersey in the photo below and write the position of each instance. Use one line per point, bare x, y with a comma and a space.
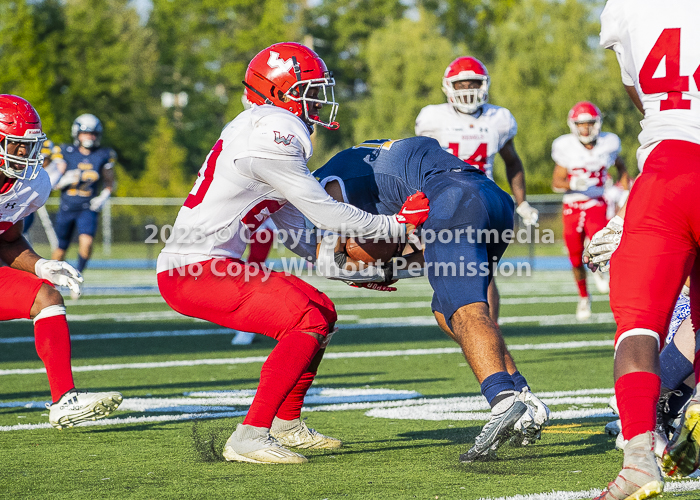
582, 159
255, 168
28, 280
474, 131
659, 54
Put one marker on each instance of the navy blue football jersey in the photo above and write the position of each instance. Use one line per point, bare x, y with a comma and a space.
77, 196
378, 175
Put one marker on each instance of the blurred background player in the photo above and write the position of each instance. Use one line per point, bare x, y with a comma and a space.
474, 131
27, 280
84, 165
257, 166
658, 233
582, 159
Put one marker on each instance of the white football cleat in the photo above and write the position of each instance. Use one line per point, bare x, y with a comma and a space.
583, 310
601, 282
296, 434
256, 445
75, 407
243, 338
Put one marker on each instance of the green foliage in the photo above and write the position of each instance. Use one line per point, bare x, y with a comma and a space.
471, 22
547, 60
340, 30
204, 48
68, 57
25, 59
406, 60
164, 173
106, 67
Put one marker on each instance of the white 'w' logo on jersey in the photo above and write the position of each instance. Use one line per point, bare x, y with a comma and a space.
274, 61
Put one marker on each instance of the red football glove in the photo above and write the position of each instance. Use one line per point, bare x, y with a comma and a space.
374, 286
414, 210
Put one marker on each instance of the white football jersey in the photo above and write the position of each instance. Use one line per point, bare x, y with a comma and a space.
658, 48
24, 198
473, 138
590, 164
257, 165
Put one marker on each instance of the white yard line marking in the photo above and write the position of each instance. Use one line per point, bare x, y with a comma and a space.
670, 487
130, 335
380, 403
130, 420
330, 355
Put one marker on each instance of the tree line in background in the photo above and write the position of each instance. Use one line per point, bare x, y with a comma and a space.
69, 57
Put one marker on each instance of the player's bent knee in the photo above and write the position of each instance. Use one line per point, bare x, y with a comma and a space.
47, 296
637, 332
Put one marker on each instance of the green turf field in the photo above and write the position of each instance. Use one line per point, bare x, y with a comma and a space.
392, 387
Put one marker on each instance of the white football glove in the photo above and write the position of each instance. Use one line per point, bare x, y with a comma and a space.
577, 183
69, 178
59, 273
599, 251
98, 202
530, 424
529, 214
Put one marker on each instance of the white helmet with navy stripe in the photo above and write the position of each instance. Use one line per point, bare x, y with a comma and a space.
87, 123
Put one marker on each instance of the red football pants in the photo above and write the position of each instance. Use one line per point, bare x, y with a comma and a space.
660, 243
582, 219
241, 296
237, 295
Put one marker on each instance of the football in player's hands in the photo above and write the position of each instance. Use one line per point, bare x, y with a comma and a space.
371, 251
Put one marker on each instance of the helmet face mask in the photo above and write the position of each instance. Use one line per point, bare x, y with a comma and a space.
466, 69
585, 121
20, 129
293, 77
21, 166
313, 95
89, 124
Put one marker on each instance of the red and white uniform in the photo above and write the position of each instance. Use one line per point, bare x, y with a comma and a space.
474, 138
230, 199
23, 198
658, 48
256, 167
585, 212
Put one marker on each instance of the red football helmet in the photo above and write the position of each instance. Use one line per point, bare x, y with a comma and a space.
291, 76
466, 100
20, 123
585, 113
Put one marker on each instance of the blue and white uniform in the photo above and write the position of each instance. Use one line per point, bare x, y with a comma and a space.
379, 175
74, 212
